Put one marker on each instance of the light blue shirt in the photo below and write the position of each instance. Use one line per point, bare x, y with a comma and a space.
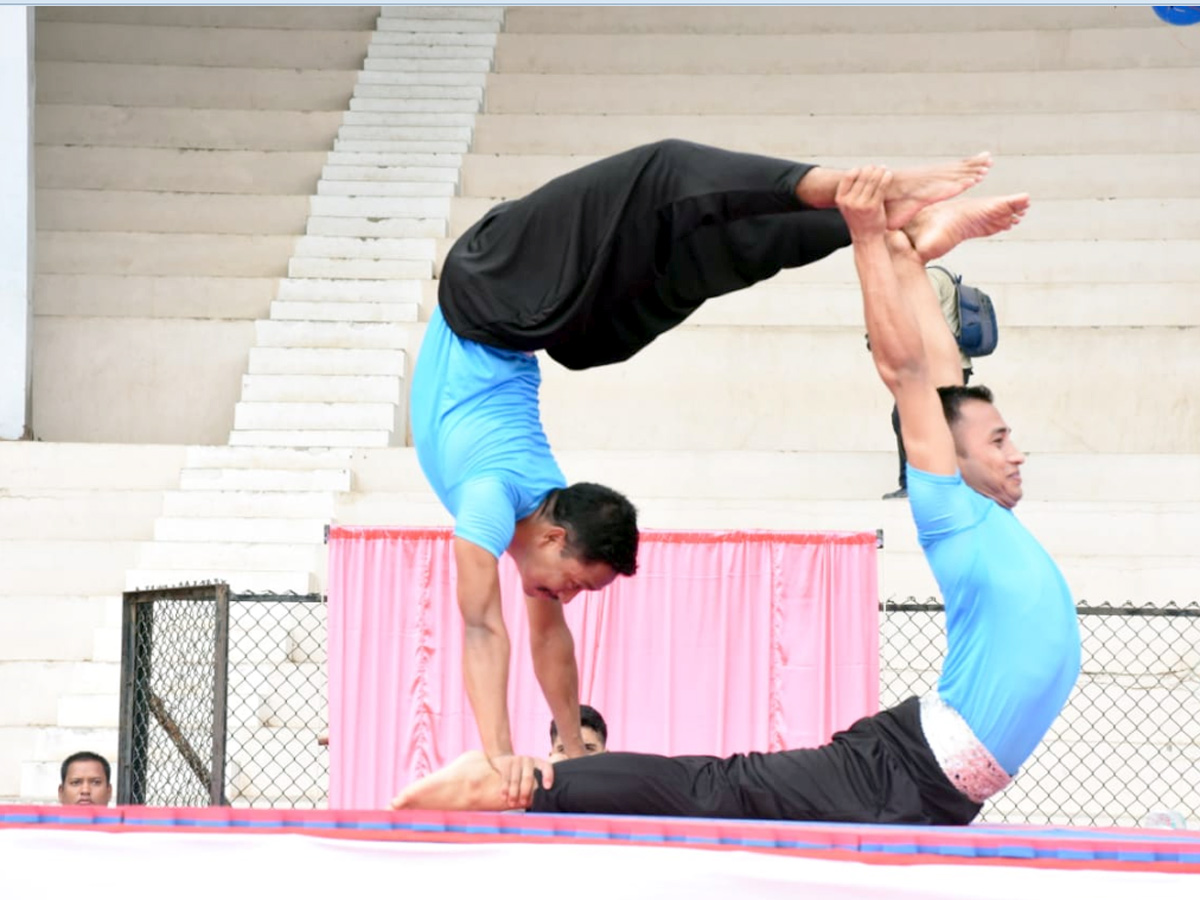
478, 434
1012, 633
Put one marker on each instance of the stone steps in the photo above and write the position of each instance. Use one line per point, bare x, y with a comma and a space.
302, 416
343, 311
815, 20
834, 402
221, 557
1009, 134
186, 129
337, 18
228, 46
321, 388
179, 171
138, 253
73, 515
196, 505
35, 466
193, 87
259, 530
159, 212
842, 95
34, 626
1015, 47
262, 478
153, 296
325, 361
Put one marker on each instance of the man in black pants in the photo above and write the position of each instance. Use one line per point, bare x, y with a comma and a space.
591, 267
1012, 637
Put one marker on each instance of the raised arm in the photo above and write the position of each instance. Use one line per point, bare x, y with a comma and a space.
897, 344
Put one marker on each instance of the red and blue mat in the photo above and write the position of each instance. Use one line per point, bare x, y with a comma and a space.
1021, 845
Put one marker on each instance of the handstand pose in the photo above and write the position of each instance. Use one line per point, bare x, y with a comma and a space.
592, 267
1012, 636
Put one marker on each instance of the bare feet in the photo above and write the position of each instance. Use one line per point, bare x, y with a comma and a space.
914, 189
468, 783
938, 229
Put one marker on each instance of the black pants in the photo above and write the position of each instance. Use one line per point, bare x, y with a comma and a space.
878, 770
596, 263
900, 440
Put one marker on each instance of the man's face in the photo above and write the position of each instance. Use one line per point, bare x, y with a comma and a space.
989, 460
592, 744
551, 574
85, 785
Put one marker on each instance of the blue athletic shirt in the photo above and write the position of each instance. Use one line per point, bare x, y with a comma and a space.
478, 434
1012, 633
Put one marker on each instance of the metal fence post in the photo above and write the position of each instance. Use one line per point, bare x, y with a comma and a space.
220, 696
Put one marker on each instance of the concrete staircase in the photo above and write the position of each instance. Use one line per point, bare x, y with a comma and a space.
328, 367
176, 160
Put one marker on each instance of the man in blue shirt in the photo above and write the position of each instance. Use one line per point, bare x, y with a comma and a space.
591, 267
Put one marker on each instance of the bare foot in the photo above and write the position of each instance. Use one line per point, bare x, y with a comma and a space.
938, 229
468, 783
914, 189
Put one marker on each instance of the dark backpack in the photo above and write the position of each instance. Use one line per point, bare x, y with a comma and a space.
977, 333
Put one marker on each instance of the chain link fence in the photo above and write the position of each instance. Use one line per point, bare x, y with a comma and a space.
1127, 742
223, 699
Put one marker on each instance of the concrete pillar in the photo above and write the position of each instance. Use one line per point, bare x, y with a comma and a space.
16, 224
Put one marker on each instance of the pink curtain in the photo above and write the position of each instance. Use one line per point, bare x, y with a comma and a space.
723, 642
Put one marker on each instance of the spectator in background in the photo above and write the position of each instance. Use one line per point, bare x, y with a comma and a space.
86, 780
593, 728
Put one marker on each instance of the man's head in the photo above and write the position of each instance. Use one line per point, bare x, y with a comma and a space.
989, 460
86, 780
595, 733
588, 536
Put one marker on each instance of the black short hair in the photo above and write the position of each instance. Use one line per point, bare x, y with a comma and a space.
954, 396
589, 717
84, 756
601, 524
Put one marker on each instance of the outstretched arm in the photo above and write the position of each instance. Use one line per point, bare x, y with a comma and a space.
485, 665
897, 345
553, 650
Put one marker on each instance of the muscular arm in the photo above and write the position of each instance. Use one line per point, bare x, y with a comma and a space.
553, 650
485, 645
895, 334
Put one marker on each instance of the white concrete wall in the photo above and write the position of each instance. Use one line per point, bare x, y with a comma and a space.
16, 225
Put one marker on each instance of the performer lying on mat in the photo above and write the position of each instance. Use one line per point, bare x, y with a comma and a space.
1012, 635
591, 267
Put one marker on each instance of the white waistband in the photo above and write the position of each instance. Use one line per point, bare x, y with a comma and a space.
968, 764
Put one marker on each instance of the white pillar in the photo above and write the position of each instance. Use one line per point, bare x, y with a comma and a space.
16, 223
